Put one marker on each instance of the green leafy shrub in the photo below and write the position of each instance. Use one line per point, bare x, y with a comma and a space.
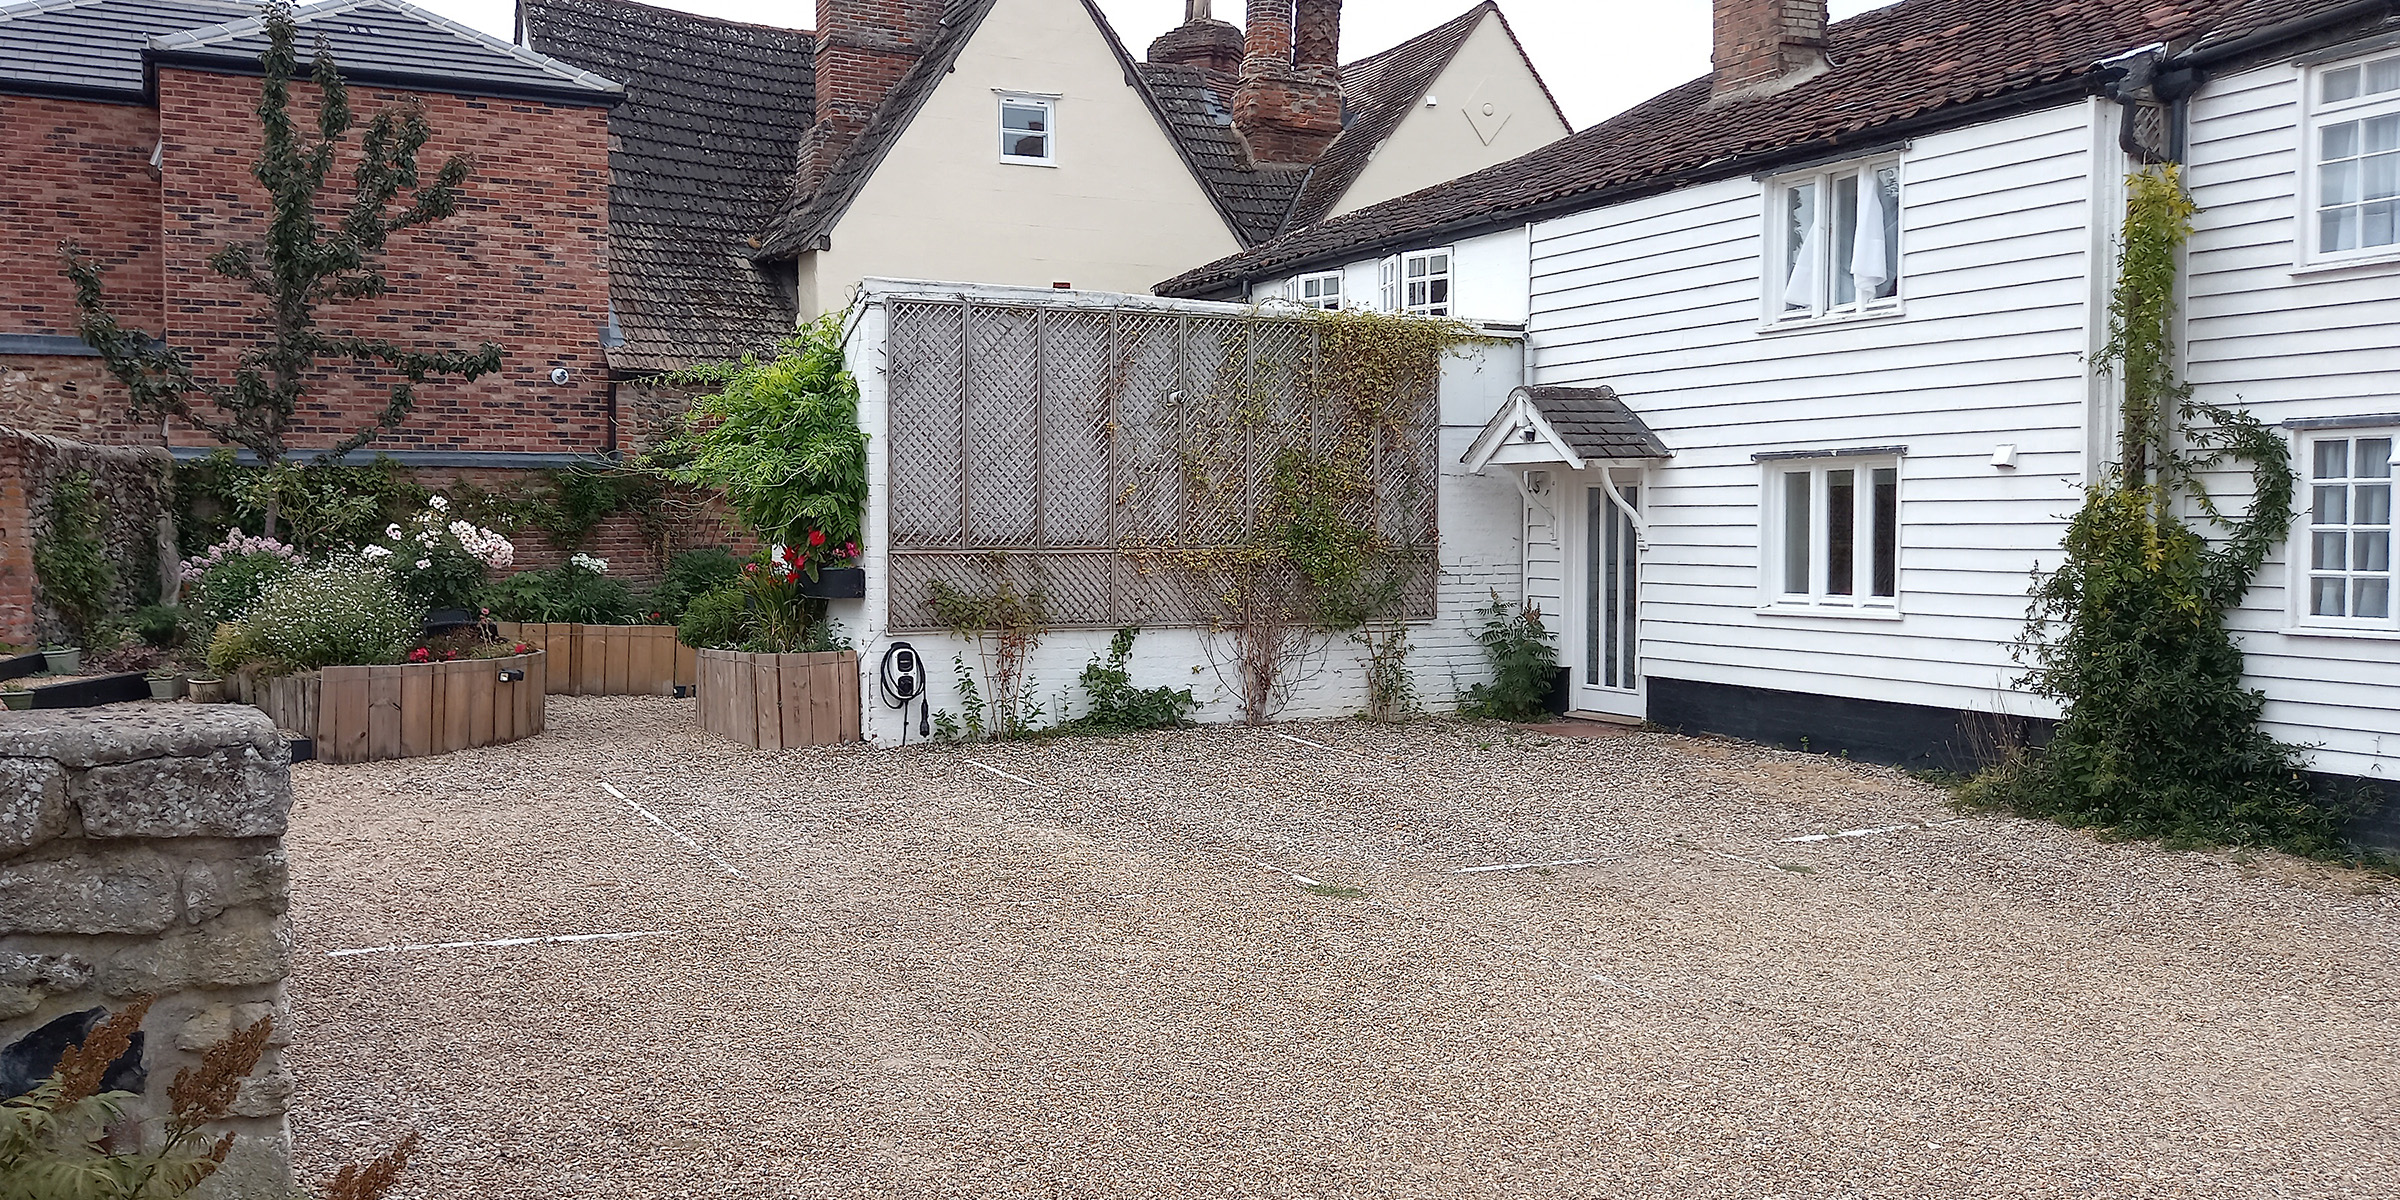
781, 441
222, 581
439, 558
1524, 661
348, 612
718, 619
1119, 707
2161, 734
71, 560
573, 592
159, 625
690, 575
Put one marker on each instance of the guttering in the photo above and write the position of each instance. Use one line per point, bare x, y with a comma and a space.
2281, 33
2029, 99
411, 81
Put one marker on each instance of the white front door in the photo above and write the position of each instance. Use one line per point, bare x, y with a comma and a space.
1607, 632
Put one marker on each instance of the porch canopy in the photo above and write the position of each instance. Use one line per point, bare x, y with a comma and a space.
1569, 427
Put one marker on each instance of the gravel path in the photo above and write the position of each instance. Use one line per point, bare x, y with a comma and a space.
1234, 963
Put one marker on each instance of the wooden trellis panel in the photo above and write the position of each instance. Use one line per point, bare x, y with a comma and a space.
1069, 442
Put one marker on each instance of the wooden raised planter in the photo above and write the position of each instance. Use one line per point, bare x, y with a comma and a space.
366, 714
609, 660
780, 701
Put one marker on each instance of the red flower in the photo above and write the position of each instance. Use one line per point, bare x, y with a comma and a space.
791, 576
850, 550
521, 648
658, 616
420, 654
450, 656
750, 568
816, 537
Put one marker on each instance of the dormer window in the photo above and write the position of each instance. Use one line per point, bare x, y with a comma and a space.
1028, 130
2355, 140
1833, 242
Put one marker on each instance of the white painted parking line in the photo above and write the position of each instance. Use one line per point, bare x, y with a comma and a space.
1847, 833
1530, 866
560, 940
1002, 774
675, 833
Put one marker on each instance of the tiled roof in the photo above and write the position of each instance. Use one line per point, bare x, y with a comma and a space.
1257, 198
699, 154
1378, 92
101, 48
1594, 423
94, 47
393, 41
1910, 65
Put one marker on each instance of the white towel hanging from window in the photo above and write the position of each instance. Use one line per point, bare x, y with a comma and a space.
1869, 253
1800, 291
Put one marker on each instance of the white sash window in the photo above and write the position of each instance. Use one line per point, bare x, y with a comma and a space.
1833, 239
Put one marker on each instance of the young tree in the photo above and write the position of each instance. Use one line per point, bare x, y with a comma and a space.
300, 264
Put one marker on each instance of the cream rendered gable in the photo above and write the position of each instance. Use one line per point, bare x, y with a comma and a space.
1119, 212
1457, 136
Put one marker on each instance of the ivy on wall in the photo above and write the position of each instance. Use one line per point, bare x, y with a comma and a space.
2161, 735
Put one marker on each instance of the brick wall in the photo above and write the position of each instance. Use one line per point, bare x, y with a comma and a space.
1757, 41
75, 170
864, 47
69, 396
523, 264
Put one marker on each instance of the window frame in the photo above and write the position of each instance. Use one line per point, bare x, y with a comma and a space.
1776, 248
2300, 548
1820, 600
1396, 281
1298, 291
1049, 107
2316, 114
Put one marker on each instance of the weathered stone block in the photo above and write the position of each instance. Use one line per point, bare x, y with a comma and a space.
88, 737
244, 946
267, 1093
210, 888
17, 1001
260, 1165
53, 973
237, 792
215, 1023
33, 803
112, 892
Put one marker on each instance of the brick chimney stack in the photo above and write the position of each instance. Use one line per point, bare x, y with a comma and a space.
1766, 46
1201, 42
1288, 106
864, 47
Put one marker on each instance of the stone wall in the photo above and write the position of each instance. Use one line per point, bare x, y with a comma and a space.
135, 486
141, 854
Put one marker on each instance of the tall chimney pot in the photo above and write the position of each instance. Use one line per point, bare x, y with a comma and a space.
1288, 106
864, 48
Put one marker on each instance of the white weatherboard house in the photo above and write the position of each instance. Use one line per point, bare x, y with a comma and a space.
1815, 342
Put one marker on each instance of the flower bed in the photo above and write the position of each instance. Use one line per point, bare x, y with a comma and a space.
407, 710
609, 660
780, 701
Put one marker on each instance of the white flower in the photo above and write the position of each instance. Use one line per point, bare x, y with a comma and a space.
438, 504
376, 553
392, 531
597, 566
423, 563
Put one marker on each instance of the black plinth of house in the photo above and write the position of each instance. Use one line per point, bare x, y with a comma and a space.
836, 583
86, 693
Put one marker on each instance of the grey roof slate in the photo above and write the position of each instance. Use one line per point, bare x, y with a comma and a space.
1257, 198
700, 154
103, 48
1595, 423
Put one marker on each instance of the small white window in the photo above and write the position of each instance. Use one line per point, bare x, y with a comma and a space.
1391, 285
1830, 533
1833, 242
1028, 132
2354, 138
1318, 291
1425, 283
2346, 566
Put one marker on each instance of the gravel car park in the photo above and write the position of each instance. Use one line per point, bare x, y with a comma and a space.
1434, 959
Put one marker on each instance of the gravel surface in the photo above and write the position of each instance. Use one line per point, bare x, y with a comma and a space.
1233, 963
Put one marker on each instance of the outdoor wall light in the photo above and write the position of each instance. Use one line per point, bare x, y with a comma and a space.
512, 675
559, 376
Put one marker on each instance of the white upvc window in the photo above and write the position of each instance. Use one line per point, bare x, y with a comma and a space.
1418, 283
1029, 130
2354, 169
1833, 242
1318, 291
1830, 533
2343, 569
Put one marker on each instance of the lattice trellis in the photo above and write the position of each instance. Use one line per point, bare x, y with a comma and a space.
1059, 445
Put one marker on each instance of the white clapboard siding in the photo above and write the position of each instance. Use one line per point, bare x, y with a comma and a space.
1660, 298
2289, 345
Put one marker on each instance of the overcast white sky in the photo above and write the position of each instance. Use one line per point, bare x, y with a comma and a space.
1599, 56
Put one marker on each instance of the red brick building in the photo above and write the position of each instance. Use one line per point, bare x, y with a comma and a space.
128, 127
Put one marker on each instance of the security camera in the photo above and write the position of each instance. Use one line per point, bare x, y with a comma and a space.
558, 375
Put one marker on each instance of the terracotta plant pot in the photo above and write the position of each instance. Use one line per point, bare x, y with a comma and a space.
207, 690
63, 662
